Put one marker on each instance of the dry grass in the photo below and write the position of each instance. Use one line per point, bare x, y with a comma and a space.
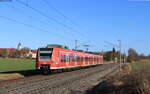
137, 82
126, 82
10, 76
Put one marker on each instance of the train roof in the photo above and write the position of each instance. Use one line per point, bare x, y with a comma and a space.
71, 51
77, 52
56, 46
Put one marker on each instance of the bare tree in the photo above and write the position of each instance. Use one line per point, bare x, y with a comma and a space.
5, 53
24, 52
132, 55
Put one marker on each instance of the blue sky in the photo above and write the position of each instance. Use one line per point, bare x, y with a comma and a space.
92, 22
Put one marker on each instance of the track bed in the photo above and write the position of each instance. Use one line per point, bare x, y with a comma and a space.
61, 83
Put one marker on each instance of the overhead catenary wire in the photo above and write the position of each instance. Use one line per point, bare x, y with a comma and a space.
54, 8
59, 12
24, 14
51, 18
46, 16
31, 26
62, 14
66, 17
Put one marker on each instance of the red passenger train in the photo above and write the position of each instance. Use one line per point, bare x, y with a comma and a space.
54, 58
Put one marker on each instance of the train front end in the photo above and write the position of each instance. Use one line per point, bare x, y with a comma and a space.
44, 59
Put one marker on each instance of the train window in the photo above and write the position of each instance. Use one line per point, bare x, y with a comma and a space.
71, 58
75, 58
63, 58
89, 59
81, 59
78, 59
86, 59
96, 59
45, 54
67, 58
92, 59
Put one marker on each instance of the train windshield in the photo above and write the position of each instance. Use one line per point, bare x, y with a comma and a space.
45, 54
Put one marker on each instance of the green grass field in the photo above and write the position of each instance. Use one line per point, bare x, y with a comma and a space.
7, 65
143, 64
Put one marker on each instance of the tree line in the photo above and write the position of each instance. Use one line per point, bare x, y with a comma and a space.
108, 56
131, 57
23, 53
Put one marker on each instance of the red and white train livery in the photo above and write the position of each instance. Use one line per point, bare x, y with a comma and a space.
48, 59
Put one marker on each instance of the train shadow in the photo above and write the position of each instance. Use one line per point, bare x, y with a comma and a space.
25, 73
34, 72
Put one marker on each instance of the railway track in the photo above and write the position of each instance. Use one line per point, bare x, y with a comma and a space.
58, 83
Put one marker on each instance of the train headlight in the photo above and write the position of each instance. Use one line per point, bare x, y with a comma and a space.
53, 62
56, 62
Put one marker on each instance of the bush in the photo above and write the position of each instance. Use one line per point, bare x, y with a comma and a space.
133, 83
138, 82
5, 53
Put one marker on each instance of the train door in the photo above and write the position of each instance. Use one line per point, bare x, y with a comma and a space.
84, 60
63, 60
71, 59
93, 60
67, 60
88, 60
96, 60
55, 60
75, 60
79, 60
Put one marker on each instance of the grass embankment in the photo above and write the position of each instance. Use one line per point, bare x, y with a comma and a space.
141, 65
137, 81
8, 65
15, 68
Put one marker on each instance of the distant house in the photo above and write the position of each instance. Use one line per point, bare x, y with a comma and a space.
7, 52
32, 54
